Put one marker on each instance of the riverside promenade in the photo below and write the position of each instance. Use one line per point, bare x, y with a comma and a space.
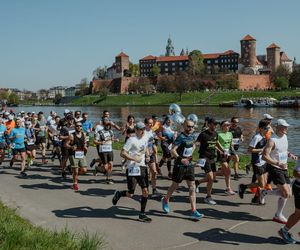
48, 201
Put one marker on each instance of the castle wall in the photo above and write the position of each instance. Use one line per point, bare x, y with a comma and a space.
251, 82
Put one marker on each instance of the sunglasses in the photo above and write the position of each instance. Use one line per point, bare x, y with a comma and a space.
190, 126
78, 126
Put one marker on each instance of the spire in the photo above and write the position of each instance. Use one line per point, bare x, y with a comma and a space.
170, 48
182, 53
186, 52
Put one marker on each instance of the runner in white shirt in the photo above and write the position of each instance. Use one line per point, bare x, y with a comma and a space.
136, 151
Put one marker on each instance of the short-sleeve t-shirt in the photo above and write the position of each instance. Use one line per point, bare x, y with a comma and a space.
225, 139
184, 145
257, 142
18, 135
2, 133
208, 141
137, 147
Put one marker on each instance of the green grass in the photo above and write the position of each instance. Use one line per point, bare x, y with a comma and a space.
17, 233
191, 98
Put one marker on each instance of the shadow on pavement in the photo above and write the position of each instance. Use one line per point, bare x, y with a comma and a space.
219, 235
116, 212
98, 192
45, 186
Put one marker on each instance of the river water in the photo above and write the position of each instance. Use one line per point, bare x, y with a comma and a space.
248, 117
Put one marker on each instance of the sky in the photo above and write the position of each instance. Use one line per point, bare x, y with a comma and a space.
46, 43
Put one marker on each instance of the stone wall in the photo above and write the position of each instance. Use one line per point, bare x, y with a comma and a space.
117, 85
251, 82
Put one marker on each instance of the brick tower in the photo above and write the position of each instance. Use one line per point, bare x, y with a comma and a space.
273, 56
122, 63
248, 51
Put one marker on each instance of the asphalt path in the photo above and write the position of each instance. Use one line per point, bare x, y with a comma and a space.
47, 200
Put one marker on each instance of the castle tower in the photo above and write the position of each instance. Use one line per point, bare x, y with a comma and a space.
122, 63
170, 48
248, 51
273, 56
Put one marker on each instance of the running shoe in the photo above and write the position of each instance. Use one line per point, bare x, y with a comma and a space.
286, 236
144, 218
110, 182
196, 215
116, 197
155, 193
92, 163
170, 176
229, 192
216, 181
255, 200
262, 195
75, 187
209, 201
53, 158
23, 174
11, 163
95, 172
242, 189
165, 205
279, 219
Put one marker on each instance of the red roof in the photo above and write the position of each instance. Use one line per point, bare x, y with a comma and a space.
150, 57
248, 38
171, 58
211, 56
122, 55
273, 46
284, 57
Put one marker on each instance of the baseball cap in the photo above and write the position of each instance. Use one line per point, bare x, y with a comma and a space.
140, 125
282, 122
155, 117
10, 117
67, 111
28, 123
268, 117
212, 121
6, 113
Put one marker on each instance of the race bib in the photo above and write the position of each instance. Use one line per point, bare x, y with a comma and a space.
235, 141
79, 154
283, 157
201, 162
134, 170
187, 152
31, 142
105, 148
226, 152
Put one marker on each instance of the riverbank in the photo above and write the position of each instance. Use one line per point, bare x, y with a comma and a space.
204, 98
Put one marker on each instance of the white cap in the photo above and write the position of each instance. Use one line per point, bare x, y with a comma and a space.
267, 116
282, 122
67, 111
10, 117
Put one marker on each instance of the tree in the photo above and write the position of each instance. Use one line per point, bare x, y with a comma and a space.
57, 99
295, 79
182, 83
83, 87
100, 73
13, 98
134, 69
281, 83
196, 65
104, 92
155, 71
143, 85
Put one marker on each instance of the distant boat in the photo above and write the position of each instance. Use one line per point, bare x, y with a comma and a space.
256, 102
293, 101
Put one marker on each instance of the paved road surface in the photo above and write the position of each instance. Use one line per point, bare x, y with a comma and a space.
47, 201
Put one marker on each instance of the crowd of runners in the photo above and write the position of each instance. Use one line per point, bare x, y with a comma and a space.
152, 143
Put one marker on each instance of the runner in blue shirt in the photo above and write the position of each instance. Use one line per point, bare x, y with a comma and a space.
2, 140
17, 136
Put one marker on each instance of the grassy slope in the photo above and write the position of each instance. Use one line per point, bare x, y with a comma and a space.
17, 233
213, 98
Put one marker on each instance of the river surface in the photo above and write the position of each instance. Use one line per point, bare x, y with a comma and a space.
248, 117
